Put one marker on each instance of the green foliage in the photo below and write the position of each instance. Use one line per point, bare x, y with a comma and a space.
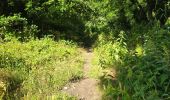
63, 18
40, 67
110, 54
147, 76
117, 15
83, 20
143, 72
125, 38
18, 27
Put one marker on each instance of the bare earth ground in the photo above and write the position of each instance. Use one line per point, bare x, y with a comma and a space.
87, 88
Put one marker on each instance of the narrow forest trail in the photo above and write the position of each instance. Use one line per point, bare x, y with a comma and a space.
87, 88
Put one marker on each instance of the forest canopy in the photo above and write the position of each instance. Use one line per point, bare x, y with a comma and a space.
80, 20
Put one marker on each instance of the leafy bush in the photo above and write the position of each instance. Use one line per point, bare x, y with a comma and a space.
40, 67
17, 26
110, 54
143, 72
147, 76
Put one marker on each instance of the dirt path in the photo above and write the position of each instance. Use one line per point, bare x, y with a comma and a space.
87, 88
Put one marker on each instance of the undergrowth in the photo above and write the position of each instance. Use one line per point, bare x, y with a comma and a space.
142, 72
38, 69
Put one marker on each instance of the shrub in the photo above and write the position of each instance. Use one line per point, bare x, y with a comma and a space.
143, 73
17, 26
110, 54
147, 76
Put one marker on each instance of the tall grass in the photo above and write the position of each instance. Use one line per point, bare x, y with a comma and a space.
38, 69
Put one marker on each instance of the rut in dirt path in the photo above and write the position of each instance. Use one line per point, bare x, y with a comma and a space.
87, 88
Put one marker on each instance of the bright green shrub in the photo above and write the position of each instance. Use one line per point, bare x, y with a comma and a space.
110, 54
147, 76
17, 26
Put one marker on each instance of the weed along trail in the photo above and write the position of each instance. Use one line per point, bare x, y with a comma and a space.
86, 88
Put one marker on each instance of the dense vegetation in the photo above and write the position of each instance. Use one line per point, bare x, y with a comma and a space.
38, 68
129, 36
